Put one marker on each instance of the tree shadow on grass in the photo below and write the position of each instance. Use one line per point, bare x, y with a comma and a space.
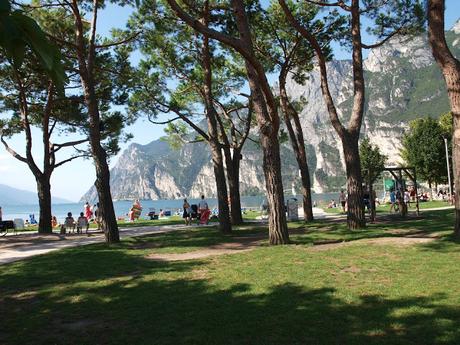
194, 237
130, 300
429, 224
445, 245
91, 263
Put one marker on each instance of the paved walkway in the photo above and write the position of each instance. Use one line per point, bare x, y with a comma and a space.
24, 245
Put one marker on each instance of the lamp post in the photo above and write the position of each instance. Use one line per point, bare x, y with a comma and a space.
448, 168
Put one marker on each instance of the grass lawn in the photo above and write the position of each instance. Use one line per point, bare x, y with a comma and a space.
358, 293
386, 207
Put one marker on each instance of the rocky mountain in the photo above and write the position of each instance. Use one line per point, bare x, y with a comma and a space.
402, 83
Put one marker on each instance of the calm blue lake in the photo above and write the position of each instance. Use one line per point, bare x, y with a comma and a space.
122, 207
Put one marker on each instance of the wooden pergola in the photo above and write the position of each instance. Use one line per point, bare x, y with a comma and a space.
397, 173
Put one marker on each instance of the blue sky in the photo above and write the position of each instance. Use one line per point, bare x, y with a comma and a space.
72, 180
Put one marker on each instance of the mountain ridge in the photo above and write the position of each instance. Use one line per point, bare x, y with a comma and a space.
10, 196
402, 83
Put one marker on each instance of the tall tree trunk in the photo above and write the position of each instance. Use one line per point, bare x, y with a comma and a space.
450, 68
456, 168
221, 185
298, 145
265, 108
86, 55
107, 212
278, 232
277, 224
349, 136
306, 190
44, 202
355, 215
233, 178
225, 225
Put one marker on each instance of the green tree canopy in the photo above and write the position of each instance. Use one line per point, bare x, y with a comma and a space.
372, 160
423, 148
19, 32
446, 123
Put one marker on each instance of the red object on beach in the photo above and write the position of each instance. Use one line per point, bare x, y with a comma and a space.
204, 218
88, 212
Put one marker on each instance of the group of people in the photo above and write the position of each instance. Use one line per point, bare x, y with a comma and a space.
89, 214
403, 195
202, 212
70, 223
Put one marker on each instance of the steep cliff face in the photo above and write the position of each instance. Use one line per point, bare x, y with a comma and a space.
402, 83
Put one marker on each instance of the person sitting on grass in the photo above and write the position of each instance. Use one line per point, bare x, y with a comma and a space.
82, 222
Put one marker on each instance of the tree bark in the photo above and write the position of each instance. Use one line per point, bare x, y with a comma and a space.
225, 225
350, 135
297, 141
86, 64
233, 178
234, 188
106, 210
264, 107
355, 214
278, 232
268, 121
107, 213
44, 201
450, 68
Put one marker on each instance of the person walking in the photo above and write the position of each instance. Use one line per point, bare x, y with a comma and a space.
407, 198
203, 211
87, 211
392, 200
187, 214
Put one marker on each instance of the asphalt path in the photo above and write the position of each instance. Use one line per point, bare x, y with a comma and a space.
24, 245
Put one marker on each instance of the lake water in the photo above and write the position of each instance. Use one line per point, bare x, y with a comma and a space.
122, 207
